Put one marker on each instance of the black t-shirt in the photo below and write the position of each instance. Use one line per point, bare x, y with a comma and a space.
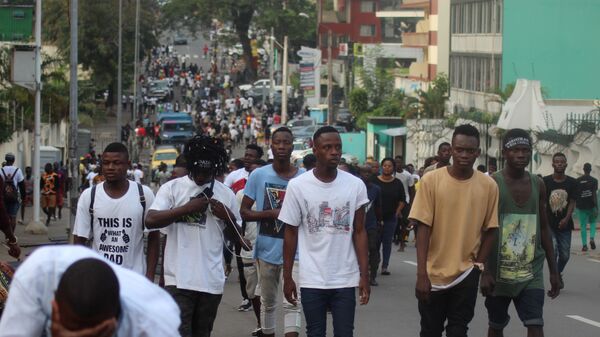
559, 194
587, 186
391, 194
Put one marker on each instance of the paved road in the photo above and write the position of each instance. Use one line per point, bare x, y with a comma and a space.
393, 307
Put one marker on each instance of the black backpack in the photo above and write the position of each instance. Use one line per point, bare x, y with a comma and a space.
11, 193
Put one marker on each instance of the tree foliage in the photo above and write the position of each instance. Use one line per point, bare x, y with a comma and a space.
433, 101
98, 36
286, 17
358, 101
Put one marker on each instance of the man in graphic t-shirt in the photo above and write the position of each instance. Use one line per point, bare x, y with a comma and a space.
515, 270
266, 188
586, 205
561, 191
115, 223
197, 212
324, 213
236, 180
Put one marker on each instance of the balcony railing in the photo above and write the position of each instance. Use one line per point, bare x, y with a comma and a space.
415, 39
415, 3
418, 70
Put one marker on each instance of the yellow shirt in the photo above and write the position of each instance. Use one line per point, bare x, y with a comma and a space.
457, 212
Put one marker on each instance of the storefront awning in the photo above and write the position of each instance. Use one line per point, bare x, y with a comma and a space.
394, 132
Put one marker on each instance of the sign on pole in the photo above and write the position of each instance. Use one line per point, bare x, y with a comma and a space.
310, 74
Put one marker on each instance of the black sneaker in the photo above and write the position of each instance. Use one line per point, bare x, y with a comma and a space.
592, 244
245, 306
584, 248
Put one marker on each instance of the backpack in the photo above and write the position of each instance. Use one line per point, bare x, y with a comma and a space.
142, 202
11, 195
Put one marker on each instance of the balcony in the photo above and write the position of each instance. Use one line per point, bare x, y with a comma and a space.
415, 3
418, 70
419, 40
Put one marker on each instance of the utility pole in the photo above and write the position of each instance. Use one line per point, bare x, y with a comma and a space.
73, 110
35, 226
135, 62
284, 92
271, 64
329, 79
119, 75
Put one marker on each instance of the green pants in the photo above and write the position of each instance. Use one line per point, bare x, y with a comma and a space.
587, 216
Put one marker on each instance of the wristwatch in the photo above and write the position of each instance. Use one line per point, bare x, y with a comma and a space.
479, 266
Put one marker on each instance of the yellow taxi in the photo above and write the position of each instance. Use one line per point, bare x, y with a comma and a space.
164, 154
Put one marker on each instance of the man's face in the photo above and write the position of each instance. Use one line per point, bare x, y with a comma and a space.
328, 149
410, 169
365, 173
399, 164
517, 157
559, 163
465, 150
114, 166
444, 154
282, 145
250, 156
70, 320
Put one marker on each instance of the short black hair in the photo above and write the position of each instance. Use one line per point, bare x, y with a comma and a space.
466, 130
390, 159
117, 147
481, 168
587, 167
258, 149
90, 288
515, 133
207, 155
260, 162
282, 129
309, 161
443, 144
559, 154
322, 130
238, 163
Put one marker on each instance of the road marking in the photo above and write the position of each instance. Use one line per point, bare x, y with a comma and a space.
410, 262
594, 260
584, 320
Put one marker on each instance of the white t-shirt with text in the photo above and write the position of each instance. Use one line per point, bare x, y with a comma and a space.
194, 250
117, 232
324, 213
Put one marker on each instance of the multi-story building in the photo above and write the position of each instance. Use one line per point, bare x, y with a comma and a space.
16, 20
496, 42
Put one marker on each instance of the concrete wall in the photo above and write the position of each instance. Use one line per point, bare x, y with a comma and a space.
555, 42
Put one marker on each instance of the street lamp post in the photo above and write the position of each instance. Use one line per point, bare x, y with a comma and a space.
136, 61
74, 128
284, 91
119, 75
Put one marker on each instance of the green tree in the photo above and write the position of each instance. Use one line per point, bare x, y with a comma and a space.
358, 101
433, 101
98, 36
295, 18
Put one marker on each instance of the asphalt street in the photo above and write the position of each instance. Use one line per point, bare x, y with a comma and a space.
392, 310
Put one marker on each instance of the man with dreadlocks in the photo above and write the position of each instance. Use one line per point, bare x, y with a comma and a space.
194, 211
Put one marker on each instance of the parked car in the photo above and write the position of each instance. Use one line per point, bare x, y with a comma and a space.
180, 40
164, 154
265, 82
159, 89
292, 123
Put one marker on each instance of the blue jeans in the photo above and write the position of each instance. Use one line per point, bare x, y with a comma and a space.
342, 303
387, 235
562, 247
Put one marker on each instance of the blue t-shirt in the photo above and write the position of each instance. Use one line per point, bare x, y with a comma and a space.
374, 194
267, 189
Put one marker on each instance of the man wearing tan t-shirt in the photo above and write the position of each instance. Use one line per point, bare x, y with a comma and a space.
456, 210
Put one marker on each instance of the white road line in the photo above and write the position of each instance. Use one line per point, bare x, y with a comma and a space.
584, 320
594, 260
410, 262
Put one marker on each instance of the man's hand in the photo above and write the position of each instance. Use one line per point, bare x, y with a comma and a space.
197, 205
246, 244
219, 210
275, 213
289, 291
105, 328
423, 288
563, 223
487, 283
364, 290
554, 285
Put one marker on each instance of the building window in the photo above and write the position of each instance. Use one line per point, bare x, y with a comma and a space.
475, 72
367, 6
390, 5
367, 30
19, 15
476, 17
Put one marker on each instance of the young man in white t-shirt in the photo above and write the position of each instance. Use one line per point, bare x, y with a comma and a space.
196, 212
236, 180
324, 215
71, 291
111, 216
